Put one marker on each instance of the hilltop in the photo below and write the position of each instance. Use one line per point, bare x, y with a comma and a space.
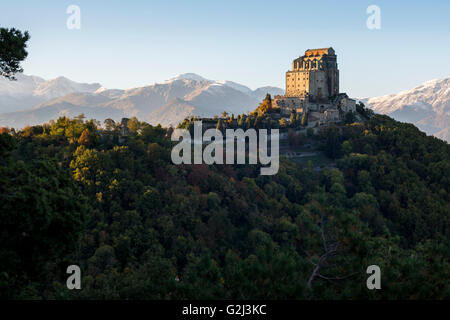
141, 227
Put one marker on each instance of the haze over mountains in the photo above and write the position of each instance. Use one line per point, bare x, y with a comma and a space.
32, 100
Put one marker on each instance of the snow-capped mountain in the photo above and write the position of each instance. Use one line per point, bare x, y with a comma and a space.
24, 85
187, 76
427, 106
166, 103
33, 100
28, 91
61, 86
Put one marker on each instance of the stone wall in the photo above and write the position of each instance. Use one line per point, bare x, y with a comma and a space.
348, 104
287, 104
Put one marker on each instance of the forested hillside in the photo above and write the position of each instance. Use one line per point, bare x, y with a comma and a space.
142, 228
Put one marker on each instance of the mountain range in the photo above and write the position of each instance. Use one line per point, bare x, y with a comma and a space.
33, 100
37, 101
427, 106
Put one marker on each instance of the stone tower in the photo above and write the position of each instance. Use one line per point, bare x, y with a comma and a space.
314, 76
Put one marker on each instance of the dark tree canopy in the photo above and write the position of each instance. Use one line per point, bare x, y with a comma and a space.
13, 45
141, 227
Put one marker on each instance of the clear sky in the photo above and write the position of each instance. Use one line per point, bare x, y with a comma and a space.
124, 44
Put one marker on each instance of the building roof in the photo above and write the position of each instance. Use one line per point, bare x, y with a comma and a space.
319, 52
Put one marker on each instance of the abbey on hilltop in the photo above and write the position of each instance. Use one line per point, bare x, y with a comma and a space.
312, 87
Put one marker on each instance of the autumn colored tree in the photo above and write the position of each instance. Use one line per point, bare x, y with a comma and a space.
155, 230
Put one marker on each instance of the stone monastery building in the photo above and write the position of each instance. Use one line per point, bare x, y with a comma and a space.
312, 86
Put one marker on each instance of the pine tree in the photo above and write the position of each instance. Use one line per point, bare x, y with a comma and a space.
304, 119
219, 124
292, 119
13, 45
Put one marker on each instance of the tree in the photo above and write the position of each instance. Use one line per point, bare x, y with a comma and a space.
240, 122
265, 106
295, 139
42, 215
332, 142
219, 124
292, 119
347, 147
230, 120
85, 138
248, 123
110, 124
283, 122
134, 125
7, 144
156, 230
69, 129
350, 117
257, 122
304, 119
13, 45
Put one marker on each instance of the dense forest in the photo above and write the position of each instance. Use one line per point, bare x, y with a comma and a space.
140, 227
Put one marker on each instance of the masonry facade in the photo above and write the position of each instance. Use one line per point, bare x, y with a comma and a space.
312, 86
314, 75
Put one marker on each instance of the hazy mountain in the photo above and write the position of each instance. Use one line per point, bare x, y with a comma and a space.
167, 103
24, 85
28, 91
32, 100
20, 119
444, 134
236, 86
170, 102
427, 106
175, 109
260, 93
61, 86
187, 76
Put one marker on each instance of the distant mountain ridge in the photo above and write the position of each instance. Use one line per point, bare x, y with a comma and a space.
427, 106
34, 100
28, 91
166, 103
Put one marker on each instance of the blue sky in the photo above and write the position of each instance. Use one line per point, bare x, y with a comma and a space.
124, 44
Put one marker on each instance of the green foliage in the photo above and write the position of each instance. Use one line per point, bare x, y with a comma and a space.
295, 139
266, 106
283, 123
292, 119
134, 125
41, 218
304, 119
362, 110
350, 117
347, 147
7, 144
219, 125
333, 142
13, 45
155, 230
